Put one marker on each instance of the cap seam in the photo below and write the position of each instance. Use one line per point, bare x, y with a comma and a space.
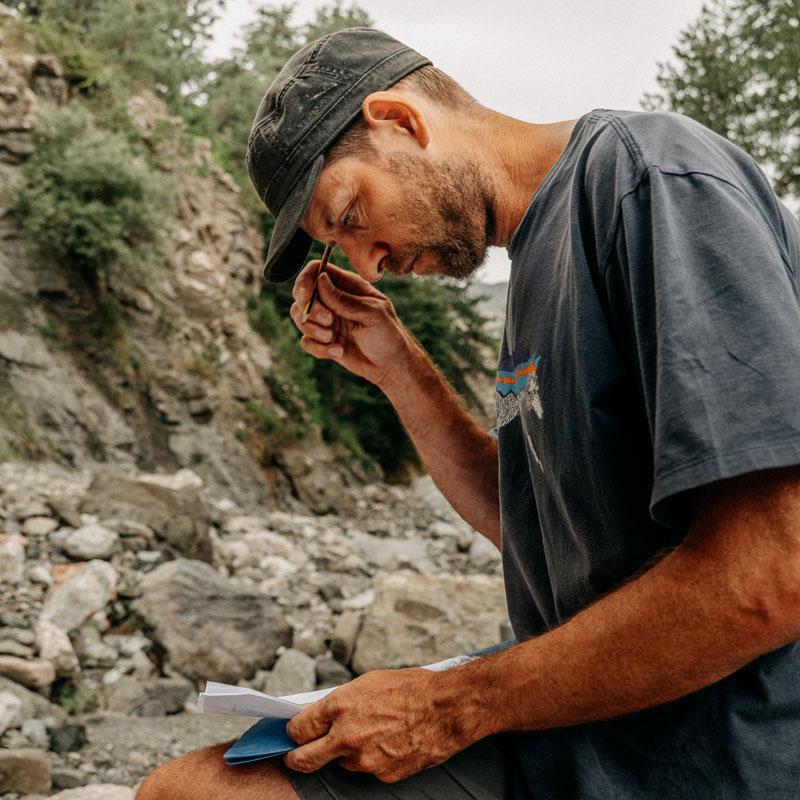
331, 108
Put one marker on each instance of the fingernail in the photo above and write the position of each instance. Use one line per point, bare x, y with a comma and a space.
326, 318
335, 351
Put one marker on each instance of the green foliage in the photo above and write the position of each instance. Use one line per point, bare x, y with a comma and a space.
208, 364
737, 71
73, 697
158, 43
90, 200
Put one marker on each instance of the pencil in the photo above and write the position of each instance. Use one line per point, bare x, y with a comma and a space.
325, 256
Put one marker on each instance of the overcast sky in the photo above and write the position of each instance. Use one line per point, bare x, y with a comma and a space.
538, 61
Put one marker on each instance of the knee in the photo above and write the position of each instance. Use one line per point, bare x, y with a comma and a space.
178, 779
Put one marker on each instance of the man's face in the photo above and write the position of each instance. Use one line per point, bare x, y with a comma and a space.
401, 212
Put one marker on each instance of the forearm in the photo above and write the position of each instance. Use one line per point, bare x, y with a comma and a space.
684, 624
459, 455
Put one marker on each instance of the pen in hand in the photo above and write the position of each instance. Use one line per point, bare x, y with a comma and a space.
325, 256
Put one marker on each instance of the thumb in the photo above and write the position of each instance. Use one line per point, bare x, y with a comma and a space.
352, 306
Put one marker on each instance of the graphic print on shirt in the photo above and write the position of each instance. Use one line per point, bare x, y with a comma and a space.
517, 388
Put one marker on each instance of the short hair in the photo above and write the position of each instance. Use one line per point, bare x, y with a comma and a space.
428, 81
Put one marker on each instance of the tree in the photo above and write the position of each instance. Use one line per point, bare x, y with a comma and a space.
737, 71
237, 84
158, 43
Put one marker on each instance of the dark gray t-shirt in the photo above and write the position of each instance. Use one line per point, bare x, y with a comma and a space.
651, 345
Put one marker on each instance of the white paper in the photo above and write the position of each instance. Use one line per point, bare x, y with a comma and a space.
221, 698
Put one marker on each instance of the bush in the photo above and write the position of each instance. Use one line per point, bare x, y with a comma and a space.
90, 200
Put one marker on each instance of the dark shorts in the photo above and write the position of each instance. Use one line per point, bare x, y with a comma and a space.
484, 771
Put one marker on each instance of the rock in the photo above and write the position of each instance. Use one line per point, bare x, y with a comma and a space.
419, 619
66, 778
293, 672
35, 731
483, 554
68, 738
156, 697
91, 649
98, 791
23, 349
344, 636
8, 647
33, 705
40, 575
56, 647
331, 673
10, 708
91, 541
211, 627
177, 515
12, 559
308, 642
39, 526
24, 770
83, 594
34, 673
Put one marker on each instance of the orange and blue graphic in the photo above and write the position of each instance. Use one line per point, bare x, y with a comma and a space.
517, 387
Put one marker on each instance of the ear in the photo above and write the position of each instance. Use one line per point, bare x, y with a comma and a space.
394, 111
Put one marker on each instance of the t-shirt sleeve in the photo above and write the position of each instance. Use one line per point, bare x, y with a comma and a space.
703, 300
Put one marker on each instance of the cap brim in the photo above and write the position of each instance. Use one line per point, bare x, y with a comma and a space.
288, 245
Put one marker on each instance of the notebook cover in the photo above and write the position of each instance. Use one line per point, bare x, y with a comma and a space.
267, 738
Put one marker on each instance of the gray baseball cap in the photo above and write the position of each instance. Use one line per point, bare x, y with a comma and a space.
314, 99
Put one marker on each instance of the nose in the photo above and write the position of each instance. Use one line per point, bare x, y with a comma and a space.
366, 257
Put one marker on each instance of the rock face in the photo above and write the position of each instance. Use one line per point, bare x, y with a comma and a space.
211, 627
419, 619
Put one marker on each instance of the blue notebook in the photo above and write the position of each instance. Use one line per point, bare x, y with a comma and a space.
267, 738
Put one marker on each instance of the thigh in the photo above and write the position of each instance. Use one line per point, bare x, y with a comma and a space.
481, 772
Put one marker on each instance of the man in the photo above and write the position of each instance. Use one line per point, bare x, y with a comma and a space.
641, 484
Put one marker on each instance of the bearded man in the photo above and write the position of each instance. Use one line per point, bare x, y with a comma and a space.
641, 479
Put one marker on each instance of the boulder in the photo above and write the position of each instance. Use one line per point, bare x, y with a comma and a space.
12, 559
24, 770
420, 619
293, 672
34, 706
91, 541
344, 636
55, 646
155, 697
211, 627
35, 673
84, 593
10, 707
177, 515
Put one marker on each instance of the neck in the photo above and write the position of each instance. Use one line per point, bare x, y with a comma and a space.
517, 156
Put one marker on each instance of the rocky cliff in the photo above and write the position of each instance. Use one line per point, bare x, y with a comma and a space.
171, 389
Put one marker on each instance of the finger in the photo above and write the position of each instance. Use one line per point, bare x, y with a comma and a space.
319, 315
311, 723
351, 281
312, 756
360, 308
320, 350
304, 282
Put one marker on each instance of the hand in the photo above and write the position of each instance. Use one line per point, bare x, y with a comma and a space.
385, 722
351, 322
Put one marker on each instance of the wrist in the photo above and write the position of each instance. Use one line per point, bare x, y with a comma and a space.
460, 703
398, 379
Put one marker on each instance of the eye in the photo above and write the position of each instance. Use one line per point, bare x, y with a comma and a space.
349, 216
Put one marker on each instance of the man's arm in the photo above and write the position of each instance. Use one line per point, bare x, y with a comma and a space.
727, 594
356, 325
458, 454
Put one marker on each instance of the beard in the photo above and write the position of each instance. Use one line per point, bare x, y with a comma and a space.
450, 208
